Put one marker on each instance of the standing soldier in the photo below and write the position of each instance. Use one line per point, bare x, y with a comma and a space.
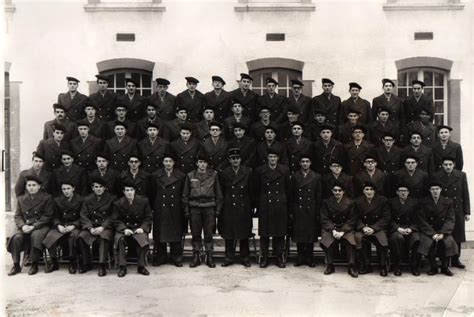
68, 172
202, 127
218, 99
274, 101
444, 147
51, 148
246, 144
338, 222
152, 148
133, 101
215, 147
326, 150
424, 153
85, 146
412, 176
257, 129
246, 97
120, 147
299, 100
328, 102
185, 149
202, 200
168, 215
236, 221
304, 202
73, 101
60, 118
97, 225
172, 129
336, 175
133, 218
383, 125
150, 118
104, 99
121, 111
269, 142
66, 224
388, 159
424, 125
370, 174
236, 117
163, 101
37, 170
357, 103
284, 128
272, 179
413, 104
389, 101
192, 99
32, 219
455, 187
108, 175
356, 149
296, 146
97, 127
136, 176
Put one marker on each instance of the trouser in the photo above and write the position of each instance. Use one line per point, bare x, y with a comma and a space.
438, 248
71, 244
278, 244
86, 250
17, 244
122, 252
203, 219
399, 244
457, 256
366, 250
230, 249
176, 250
305, 251
331, 250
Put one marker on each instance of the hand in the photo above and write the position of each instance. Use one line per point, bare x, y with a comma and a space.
368, 231
127, 232
440, 236
335, 234
467, 217
408, 231
71, 227
338, 235
93, 231
139, 230
27, 228
401, 230
62, 229
99, 230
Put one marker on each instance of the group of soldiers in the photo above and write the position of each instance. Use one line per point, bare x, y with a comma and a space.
113, 169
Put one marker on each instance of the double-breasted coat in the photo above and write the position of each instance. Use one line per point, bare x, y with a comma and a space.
141, 181
229, 125
105, 104
74, 174
329, 103
71, 129
98, 127
428, 131
247, 147
329, 179
324, 154
425, 157
294, 149
387, 161
303, 103
378, 179
136, 106
185, 153
74, 105
119, 151
404, 216
248, 100
412, 107
165, 107
216, 152
257, 130
219, 103
172, 129
97, 212
355, 155
277, 105
194, 104
377, 131
361, 105
111, 178
375, 215
43, 175
86, 150
393, 104
338, 216
51, 151
417, 183
452, 149
261, 155
151, 154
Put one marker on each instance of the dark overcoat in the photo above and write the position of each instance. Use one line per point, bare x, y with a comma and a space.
74, 106
44, 176
425, 157
75, 174
136, 106
51, 151
185, 153
452, 149
119, 152
97, 213
375, 215
394, 106
303, 103
194, 104
105, 104
165, 107
324, 154
331, 104
151, 154
277, 105
355, 156
329, 180
219, 103
216, 152
338, 216
86, 151
248, 102
141, 181
417, 183
261, 155
71, 129
110, 177
404, 216
295, 149
361, 105
378, 179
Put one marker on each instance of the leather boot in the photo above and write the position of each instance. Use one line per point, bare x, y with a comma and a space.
72, 267
210, 261
53, 267
196, 260
102, 271
280, 262
33, 269
142, 270
456, 262
264, 261
16, 268
396, 270
352, 271
122, 271
329, 269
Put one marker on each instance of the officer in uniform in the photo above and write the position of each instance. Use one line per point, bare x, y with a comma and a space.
357, 103
60, 118
152, 148
304, 202
97, 225
73, 101
66, 225
389, 101
246, 97
37, 170
356, 150
133, 219
373, 217
272, 179
328, 102
163, 101
185, 149
136, 176
235, 222
168, 216
444, 147
69, 172
215, 147
326, 150
296, 146
104, 99
32, 219
202, 200
218, 99
133, 101
85, 146
191, 99
120, 147
274, 101
299, 100
338, 222
51, 148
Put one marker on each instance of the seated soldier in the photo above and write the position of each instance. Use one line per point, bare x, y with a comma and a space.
436, 223
403, 229
32, 219
97, 225
338, 223
133, 218
373, 217
66, 225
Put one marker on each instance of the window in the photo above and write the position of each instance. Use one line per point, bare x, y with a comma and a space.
400, 5
281, 75
118, 76
6, 153
436, 83
274, 5
124, 5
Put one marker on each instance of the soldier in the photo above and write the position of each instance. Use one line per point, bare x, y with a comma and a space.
73, 101
257, 129
455, 187
296, 146
370, 174
163, 101
444, 147
152, 148
304, 202
191, 99
218, 99
120, 147
151, 118
37, 169
269, 142
272, 179
202, 200
424, 153
412, 105
285, 127
202, 127
275, 102
345, 129
97, 127
403, 229
236, 117
373, 217
328, 102
32, 219
412, 176
423, 124
357, 103
168, 216
246, 97
121, 111
85, 146
390, 101
185, 149
215, 147
172, 129
356, 150
336, 175
132, 100
97, 225
382, 125
136, 176
245, 144
103, 172
69, 172
388, 158
104, 99
133, 218
315, 125
338, 222
326, 150
51, 148
235, 222
66, 225
60, 118
298, 99
436, 223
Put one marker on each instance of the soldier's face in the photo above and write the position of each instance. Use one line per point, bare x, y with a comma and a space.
338, 192
191, 86
358, 134
129, 192
201, 165
296, 90
32, 187
416, 140
369, 192
185, 135
37, 163
208, 115
237, 108
217, 84
270, 135
120, 131
72, 85
410, 165
58, 135
168, 163
83, 131
215, 131
370, 164
134, 163
417, 90
67, 190
383, 116
131, 88
265, 114
67, 160
320, 118
245, 83
161, 89
98, 189
435, 191
388, 141
90, 112
424, 117
239, 133
353, 117
325, 135
305, 163
59, 114
327, 88
297, 130
151, 112
101, 163
448, 166
335, 168
121, 112
354, 92
402, 193
444, 134
272, 159
235, 161
103, 84
387, 88
182, 115
292, 116
271, 87
152, 132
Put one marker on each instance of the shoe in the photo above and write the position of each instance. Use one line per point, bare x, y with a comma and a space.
415, 271
122, 271
157, 261
16, 268
72, 267
366, 269
397, 271
178, 263
102, 271
280, 263
246, 263
33, 269
143, 271
264, 262
383, 272
329, 269
353, 272
433, 271
227, 263
311, 263
446, 271
457, 263
85, 268
53, 267
196, 260
210, 262
299, 262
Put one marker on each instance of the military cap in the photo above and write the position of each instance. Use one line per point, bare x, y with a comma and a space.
305, 154
411, 156
233, 152
37, 155
67, 152
235, 102
82, 123
102, 77
162, 81
271, 126
121, 105
134, 155
215, 124
383, 108
99, 180
335, 160
202, 157
359, 127
89, 103
102, 155
264, 107
207, 106
128, 183
448, 158
294, 82
33, 178
390, 134
271, 80
419, 82
218, 78
71, 182
133, 81
58, 106
119, 123
353, 110
415, 132
169, 155
186, 126
181, 108
435, 182
273, 150
320, 111
354, 85
297, 123
293, 109
191, 80
245, 76
58, 126
402, 185
427, 109
328, 126
370, 157
339, 184
386, 80
369, 184
152, 125
327, 81
444, 127
239, 125
69, 78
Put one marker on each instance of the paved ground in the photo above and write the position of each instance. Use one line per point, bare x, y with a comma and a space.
236, 291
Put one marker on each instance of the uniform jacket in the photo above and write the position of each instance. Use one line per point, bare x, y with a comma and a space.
105, 104
361, 105
74, 106
86, 151
44, 176
295, 149
257, 130
247, 148
379, 179
338, 216
375, 215
452, 149
141, 181
303, 103
186, 154
329, 103
394, 106
70, 126
248, 102
229, 125
377, 131
98, 128
97, 213
418, 182
136, 106
132, 129
428, 132
355, 156
166, 107
142, 126
388, 161
76, 174
173, 128
216, 152
324, 154
329, 180
111, 178
202, 129
425, 156
261, 155
411, 108
277, 105
152, 154
195, 104
219, 103
51, 152
202, 190
119, 152
403, 215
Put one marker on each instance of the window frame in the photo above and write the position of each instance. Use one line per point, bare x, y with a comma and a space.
128, 74
261, 87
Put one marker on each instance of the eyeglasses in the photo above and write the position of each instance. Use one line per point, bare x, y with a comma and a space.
410, 162
389, 140
215, 129
370, 162
337, 190
134, 161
